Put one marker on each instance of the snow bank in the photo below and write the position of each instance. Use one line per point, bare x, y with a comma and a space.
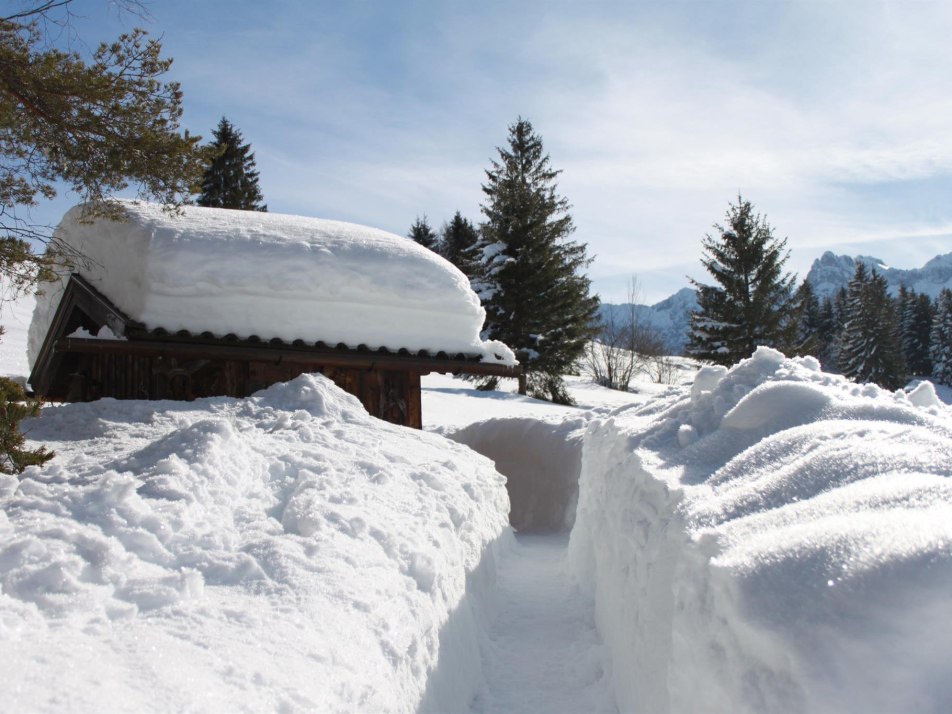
270, 275
283, 552
541, 460
774, 539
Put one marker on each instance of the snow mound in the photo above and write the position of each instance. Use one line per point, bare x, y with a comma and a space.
271, 275
774, 539
282, 552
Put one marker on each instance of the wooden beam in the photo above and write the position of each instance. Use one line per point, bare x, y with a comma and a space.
304, 356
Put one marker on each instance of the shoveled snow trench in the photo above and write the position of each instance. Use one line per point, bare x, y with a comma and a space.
543, 653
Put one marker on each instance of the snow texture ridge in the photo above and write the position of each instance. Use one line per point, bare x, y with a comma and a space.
284, 552
774, 539
271, 275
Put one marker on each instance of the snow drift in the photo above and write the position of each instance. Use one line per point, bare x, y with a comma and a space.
282, 552
772, 539
271, 275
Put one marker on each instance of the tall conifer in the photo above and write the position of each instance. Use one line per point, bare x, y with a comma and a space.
533, 286
915, 329
460, 246
231, 180
870, 349
941, 347
751, 303
422, 233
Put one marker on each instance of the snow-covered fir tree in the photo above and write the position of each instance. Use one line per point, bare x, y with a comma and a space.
915, 330
828, 328
869, 348
459, 242
751, 303
231, 180
533, 287
941, 347
423, 233
809, 320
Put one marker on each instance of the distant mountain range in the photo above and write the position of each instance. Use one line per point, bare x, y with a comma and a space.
829, 272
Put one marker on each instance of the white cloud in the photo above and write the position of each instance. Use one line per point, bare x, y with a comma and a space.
658, 114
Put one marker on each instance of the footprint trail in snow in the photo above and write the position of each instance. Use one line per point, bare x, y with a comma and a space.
543, 654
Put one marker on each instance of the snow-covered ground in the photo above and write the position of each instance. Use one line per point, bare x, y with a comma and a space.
771, 538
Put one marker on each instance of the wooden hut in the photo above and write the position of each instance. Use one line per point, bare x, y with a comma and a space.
92, 348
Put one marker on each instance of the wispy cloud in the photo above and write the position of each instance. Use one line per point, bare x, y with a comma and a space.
826, 115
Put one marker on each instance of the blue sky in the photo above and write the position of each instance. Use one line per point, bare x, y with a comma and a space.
833, 117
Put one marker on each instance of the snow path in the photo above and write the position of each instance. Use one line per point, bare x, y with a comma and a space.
544, 653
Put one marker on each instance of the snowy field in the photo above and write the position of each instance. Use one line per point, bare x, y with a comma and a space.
767, 539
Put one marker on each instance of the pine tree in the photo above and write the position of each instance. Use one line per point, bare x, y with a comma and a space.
941, 348
231, 180
809, 320
870, 349
915, 328
422, 233
827, 330
14, 407
460, 246
89, 123
533, 288
752, 303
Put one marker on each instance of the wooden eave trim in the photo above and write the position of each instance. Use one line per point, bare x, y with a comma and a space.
317, 358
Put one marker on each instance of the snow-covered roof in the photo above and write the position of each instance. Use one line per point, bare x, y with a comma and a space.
274, 276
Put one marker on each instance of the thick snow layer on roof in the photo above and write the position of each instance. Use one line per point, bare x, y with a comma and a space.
270, 275
284, 552
773, 539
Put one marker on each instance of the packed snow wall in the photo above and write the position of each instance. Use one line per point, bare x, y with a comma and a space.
772, 539
541, 461
285, 552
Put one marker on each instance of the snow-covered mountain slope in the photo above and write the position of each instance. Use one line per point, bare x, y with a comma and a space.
772, 539
670, 318
831, 272
285, 552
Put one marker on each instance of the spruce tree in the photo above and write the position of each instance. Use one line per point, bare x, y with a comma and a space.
809, 320
422, 233
752, 303
827, 331
460, 246
941, 347
915, 328
533, 287
15, 406
231, 180
870, 349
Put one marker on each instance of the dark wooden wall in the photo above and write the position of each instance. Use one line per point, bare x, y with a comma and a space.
390, 395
